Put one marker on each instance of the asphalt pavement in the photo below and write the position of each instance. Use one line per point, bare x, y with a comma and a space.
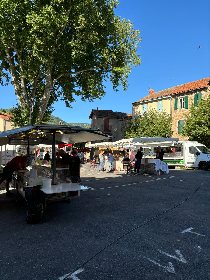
124, 227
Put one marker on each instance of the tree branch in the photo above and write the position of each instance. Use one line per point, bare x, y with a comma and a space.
73, 74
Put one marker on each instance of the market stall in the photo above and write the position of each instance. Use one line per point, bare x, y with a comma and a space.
41, 174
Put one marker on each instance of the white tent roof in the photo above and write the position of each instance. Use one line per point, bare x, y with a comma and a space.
43, 134
140, 141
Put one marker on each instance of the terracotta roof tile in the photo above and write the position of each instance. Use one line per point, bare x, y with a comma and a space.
184, 88
5, 116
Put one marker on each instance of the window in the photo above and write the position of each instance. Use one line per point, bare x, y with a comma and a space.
180, 126
144, 108
160, 106
181, 102
193, 150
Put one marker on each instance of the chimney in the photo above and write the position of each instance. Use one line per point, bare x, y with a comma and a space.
151, 91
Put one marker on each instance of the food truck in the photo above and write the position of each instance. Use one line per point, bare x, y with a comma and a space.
188, 154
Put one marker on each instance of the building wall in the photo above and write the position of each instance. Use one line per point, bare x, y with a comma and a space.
138, 109
116, 127
181, 114
5, 124
168, 106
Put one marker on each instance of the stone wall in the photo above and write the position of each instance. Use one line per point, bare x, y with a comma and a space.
181, 114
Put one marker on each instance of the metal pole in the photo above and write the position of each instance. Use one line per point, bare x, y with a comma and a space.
53, 160
28, 147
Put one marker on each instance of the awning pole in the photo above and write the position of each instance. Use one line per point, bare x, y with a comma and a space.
28, 147
53, 160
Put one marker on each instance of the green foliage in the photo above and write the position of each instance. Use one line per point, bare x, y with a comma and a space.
197, 125
60, 49
151, 124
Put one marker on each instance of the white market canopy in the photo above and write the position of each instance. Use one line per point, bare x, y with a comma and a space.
45, 133
50, 134
139, 141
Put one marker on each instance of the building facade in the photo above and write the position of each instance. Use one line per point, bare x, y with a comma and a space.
176, 101
109, 122
5, 123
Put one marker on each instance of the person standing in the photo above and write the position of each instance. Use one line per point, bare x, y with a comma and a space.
101, 161
110, 159
160, 153
138, 158
17, 163
47, 156
74, 167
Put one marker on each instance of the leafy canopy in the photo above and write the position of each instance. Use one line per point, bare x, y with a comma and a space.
59, 49
197, 124
150, 124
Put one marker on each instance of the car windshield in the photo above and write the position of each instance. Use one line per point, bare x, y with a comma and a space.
203, 149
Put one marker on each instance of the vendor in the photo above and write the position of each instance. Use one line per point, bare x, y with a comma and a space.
74, 167
16, 164
47, 156
159, 153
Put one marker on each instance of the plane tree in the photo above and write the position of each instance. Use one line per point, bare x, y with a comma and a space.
54, 50
150, 124
197, 123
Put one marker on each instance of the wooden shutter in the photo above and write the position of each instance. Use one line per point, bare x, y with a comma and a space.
199, 96
180, 126
186, 102
160, 106
176, 104
196, 99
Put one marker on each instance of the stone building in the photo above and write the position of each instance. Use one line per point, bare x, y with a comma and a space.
175, 101
109, 122
5, 123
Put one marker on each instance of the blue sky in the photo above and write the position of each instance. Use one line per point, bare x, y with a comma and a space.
175, 49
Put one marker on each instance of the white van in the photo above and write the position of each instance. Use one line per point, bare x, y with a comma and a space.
188, 154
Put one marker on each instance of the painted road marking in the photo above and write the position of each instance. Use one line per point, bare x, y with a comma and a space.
180, 257
130, 184
169, 268
72, 275
198, 248
189, 230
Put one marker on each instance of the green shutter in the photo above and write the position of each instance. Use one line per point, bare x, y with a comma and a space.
176, 104
160, 106
186, 102
180, 126
196, 99
199, 96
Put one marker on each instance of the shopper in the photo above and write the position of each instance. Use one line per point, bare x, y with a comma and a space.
17, 163
138, 158
74, 167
